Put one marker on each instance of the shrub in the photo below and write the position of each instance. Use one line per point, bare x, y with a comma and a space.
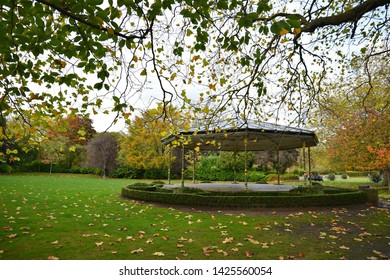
246, 199
5, 168
344, 176
190, 190
376, 177
290, 177
156, 183
127, 172
357, 173
156, 173
256, 176
306, 190
272, 177
331, 176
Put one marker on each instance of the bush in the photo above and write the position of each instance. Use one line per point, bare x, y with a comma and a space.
247, 199
344, 176
256, 176
156, 173
376, 177
272, 177
128, 172
290, 177
306, 190
357, 173
331, 176
190, 190
5, 168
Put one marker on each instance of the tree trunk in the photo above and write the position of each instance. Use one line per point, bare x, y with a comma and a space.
386, 178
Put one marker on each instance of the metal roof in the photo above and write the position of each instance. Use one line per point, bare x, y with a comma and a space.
229, 136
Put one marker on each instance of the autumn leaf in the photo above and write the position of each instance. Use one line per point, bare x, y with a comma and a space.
344, 247
98, 244
149, 241
283, 32
52, 258
225, 254
248, 254
228, 240
137, 251
159, 254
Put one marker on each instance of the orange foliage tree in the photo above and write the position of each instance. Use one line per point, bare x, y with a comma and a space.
356, 122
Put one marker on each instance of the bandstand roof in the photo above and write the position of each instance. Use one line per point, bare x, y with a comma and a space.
224, 136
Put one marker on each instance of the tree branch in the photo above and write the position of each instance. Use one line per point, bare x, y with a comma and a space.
92, 25
352, 15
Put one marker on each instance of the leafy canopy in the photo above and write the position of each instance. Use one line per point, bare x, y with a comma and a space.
239, 57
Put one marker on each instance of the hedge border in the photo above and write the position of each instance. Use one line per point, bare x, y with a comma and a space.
257, 201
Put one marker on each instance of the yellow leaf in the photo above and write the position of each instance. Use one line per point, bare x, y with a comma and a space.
296, 31
110, 31
72, 149
283, 32
159, 254
173, 76
213, 86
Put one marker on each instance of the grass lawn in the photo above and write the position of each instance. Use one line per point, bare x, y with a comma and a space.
82, 217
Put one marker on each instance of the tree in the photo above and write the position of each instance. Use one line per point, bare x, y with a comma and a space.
77, 130
269, 160
53, 150
102, 152
243, 56
356, 123
141, 148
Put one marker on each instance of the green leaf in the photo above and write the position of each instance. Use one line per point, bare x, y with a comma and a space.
144, 72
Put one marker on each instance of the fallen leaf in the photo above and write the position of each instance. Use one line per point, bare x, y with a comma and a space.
7, 228
99, 243
139, 250
149, 241
228, 240
159, 254
52, 258
248, 254
344, 247
225, 254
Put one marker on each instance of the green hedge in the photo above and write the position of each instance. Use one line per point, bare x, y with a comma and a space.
255, 199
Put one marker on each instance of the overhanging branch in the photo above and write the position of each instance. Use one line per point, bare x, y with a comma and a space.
352, 15
93, 25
